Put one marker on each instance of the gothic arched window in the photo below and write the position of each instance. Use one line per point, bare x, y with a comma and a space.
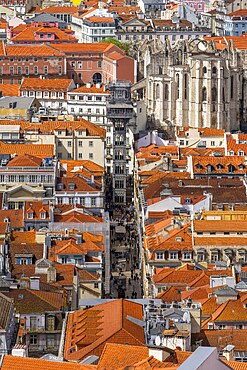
157, 91
204, 94
166, 92
214, 71
177, 81
204, 70
185, 86
214, 94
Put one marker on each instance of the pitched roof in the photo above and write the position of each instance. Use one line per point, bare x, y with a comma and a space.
28, 301
31, 150
220, 225
119, 355
63, 9
80, 125
31, 51
10, 89
30, 32
13, 363
38, 84
15, 217
89, 330
25, 160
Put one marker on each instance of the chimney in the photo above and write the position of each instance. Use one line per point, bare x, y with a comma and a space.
34, 282
160, 353
228, 352
51, 275
20, 350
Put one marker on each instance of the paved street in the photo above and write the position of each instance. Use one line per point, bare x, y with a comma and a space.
126, 276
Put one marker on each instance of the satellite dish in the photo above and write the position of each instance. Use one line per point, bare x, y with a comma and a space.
157, 341
186, 317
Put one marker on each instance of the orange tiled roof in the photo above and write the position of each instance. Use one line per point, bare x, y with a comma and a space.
37, 207
89, 330
15, 217
31, 51
23, 236
177, 239
80, 125
14, 363
60, 9
95, 19
219, 164
222, 42
32, 150
90, 90
83, 48
220, 225
25, 160
10, 89
39, 84
171, 294
29, 34
80, 185
115, 356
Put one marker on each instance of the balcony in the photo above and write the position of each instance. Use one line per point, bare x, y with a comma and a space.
42, 329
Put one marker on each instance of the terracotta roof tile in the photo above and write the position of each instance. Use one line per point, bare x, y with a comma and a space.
118, 355
10, 89
220, 225
38, 84
13, 363
31, 150
89, 330
32, 50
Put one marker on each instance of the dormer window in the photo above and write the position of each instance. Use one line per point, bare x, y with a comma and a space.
209, 168
178, 239
241, 152
241, 166
231, 152
230, 168
42, 215
60, 186
71, 186
30, 215
198, 166
219, 166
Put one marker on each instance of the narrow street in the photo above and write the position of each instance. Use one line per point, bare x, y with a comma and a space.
126, 279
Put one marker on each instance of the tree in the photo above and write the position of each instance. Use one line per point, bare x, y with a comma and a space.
111, 40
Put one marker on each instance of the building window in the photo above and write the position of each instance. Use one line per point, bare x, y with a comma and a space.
30, 215
159, 255
80, 143
33, 339
50, 323
157, 94
91, 143
93, 201
204, 94
232, 87
96, 285
177, 82
42, 215
36, 70
204, 70
185, 86
69, 144
90, 156
173, 255
27, 70
214, 72
80, 155
45, 70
